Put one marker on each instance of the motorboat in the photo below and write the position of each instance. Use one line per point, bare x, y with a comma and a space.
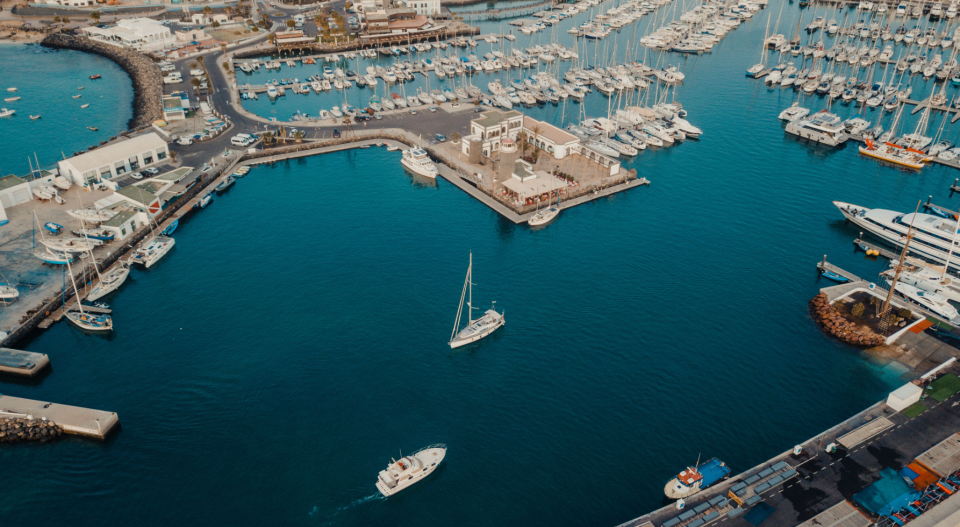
931, 301
823, 127
8, 294
152, 251
475, 329
411, 469
927, 279
225, 184
794, 112
418, 161
4, 112
54, 228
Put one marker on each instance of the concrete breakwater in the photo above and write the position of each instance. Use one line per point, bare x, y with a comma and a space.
16, 430
146, 76
833, 323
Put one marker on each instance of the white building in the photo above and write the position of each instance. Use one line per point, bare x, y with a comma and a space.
115, 159
423, 7
491, 127
142, 34
545, 136
71, 3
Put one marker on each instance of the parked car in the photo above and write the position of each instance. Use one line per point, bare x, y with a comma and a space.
152, 171
377, 116
433, 108
136, 175
440, 137
185, 141
336, 133
413, 112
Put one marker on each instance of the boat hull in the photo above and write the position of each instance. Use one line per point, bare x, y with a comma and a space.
417, 170
497, 322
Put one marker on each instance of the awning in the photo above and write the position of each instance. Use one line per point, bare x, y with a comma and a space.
541, 184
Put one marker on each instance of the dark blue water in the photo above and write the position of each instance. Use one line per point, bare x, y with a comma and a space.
46, 80
295, 338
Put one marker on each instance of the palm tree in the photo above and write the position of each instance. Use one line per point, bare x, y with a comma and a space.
194, 65
298, 136
524, 145
455, 137
536, 147
95, 15
196, 83
207, 10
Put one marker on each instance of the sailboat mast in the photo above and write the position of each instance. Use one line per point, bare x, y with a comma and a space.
470, 298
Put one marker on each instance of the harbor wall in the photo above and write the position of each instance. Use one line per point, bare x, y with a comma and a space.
145, 74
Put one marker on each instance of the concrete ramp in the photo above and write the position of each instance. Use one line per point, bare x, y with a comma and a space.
865, 432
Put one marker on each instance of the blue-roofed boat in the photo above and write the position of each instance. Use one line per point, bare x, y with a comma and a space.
55, 228
103, 235
694, 479
834, 276
171, 228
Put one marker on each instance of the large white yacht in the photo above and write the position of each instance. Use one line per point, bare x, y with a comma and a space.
932, 301
931, 240
822, 127
417, 161
152, 251
408, 470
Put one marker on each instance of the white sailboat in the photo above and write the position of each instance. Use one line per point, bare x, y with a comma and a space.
110, 281
84, 319
475, 329
545, 216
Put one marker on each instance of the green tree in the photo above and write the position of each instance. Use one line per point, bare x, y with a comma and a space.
173, 156
858, 309
95, 15
207, 10
455, 137
268, 138
298, 136
536, 136
524, 145
215, 24
194, 65
196, 83
291, 23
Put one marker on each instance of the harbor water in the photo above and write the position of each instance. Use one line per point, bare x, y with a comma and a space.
294, 340
46, 81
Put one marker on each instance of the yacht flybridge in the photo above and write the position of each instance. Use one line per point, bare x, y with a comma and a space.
933, 235
475, 329
410, 469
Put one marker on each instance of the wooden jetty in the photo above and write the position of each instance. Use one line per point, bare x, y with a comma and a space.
890, 255
824, 265
73, 419
23, 363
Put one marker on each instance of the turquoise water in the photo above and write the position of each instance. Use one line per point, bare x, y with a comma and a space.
46, 80
295, 338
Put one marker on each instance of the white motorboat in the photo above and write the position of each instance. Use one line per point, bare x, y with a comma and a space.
475, 329
152, 251
4, 112
794, 112
927, 279
602, 148
410, 469
417, 161
62, 183
931, 301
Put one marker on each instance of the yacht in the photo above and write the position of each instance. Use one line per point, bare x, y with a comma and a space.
824, 128
931, 301
8, 294
544, 216
417, 161
794, 112
152, 251
475, 329
90, 321
410, 469
893, 153
927, 279
932, 237
6, 113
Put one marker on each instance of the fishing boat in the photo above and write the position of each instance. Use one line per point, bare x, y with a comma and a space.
696, 478
152, 251
171, 228
95, 77
34, 117
225, 184
4, 112
475, 329
11, 99
8, 294
417, 161
411, 469
54, 228
110, 281
84, 105
206, 200
834, 276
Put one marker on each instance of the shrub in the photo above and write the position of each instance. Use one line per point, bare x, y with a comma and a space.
905, 313
858, 309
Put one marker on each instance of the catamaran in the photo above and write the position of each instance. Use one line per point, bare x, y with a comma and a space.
475, 329
152, 251
410, 469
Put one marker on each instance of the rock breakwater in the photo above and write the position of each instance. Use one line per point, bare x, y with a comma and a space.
833, 323
16, 430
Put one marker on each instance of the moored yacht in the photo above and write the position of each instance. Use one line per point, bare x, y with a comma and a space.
152, 251
417, 161
822, 127
410, 469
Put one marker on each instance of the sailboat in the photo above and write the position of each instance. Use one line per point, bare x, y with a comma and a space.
87, 320
545, 216
475, 329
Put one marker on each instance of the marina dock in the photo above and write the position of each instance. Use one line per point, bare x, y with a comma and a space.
22, 363
74, 420
824, 265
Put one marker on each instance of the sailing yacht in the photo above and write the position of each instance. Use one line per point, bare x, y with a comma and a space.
87, 320
152, 251
110, 281
475, 329
545, 216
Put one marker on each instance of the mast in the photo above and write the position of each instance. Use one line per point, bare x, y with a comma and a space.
885, 310
470, 283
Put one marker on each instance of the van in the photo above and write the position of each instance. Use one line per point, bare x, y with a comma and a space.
239, 141
172, 80
185, 141
248, 137
196, 73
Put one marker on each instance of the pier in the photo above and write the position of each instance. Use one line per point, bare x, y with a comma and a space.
816, 482
824, 265
22, 363
74, 420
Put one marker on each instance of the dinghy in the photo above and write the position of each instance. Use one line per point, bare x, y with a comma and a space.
53, 227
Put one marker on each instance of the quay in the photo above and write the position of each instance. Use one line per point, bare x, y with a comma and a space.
73, 419
824, 265
22, 363
838, 478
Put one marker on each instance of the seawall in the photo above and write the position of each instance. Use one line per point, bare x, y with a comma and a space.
146, 77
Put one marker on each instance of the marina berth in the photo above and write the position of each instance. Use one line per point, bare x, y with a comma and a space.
417, 160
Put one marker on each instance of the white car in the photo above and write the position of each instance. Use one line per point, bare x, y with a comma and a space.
136, 175
185, 141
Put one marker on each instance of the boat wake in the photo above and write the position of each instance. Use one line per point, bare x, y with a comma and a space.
356, 503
